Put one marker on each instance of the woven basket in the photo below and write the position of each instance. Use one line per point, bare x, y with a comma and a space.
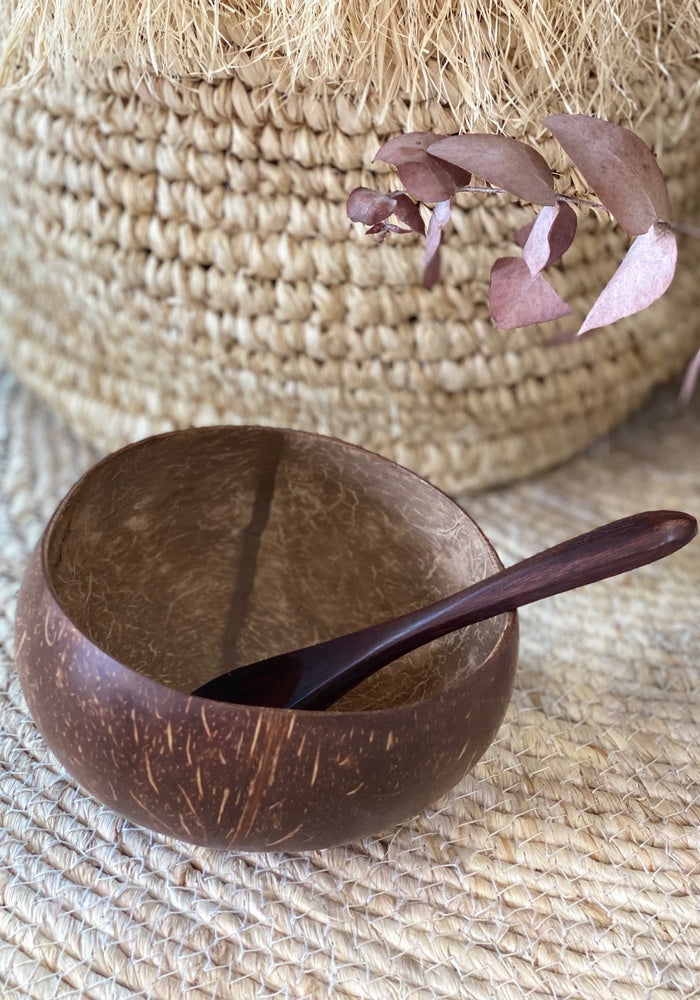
178, 253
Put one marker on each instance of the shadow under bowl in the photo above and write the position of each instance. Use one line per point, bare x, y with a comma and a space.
185, 554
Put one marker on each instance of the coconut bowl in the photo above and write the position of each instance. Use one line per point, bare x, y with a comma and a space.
185, 554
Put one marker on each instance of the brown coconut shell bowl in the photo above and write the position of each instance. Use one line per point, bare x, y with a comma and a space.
185, 554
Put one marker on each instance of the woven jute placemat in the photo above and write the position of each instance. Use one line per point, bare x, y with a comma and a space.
566, 866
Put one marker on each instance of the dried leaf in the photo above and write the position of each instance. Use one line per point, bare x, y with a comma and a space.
550, 236
502, 161
643, 276
439, 218
518, 298
372, 209
619, 167
520, 235
690, 379
409, 213
423, 177
428, 180
406, 148
369, 207
562, 337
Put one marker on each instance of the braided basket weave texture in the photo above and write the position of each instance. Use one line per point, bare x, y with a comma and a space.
178, 253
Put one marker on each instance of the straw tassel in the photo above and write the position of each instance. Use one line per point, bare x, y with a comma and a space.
486, 61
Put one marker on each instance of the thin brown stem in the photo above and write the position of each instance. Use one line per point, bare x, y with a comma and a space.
584, 202
569, 199
684, 227
473, 189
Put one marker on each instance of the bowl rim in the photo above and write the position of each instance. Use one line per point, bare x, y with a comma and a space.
508, 634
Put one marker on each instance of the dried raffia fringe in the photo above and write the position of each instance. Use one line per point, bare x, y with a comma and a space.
505, 59
178, 251
565, 867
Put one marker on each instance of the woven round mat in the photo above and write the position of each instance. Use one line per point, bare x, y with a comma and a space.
566, 866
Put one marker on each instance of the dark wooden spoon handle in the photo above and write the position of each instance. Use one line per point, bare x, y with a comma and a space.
316, 676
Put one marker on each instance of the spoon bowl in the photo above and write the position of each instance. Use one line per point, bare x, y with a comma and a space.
183, 555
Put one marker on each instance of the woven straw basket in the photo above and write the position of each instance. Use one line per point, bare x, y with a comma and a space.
177, 252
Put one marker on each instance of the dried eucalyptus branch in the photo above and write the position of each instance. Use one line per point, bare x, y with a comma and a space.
618, 165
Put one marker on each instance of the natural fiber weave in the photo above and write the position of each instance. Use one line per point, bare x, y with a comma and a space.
567, 866
178, 252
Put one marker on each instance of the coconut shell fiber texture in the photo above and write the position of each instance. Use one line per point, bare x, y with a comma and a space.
566, 866
173, 179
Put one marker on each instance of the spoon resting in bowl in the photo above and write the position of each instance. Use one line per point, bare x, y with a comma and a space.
316, 676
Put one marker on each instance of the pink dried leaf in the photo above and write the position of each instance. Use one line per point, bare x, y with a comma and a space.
442, 213
520, 235
643, 276
502, 161
423, 177
439, 218
412, 148
550, 237
562, 337
690, 379
408, 212
518, 298
406, 148
369, 207
619, 167
429, 180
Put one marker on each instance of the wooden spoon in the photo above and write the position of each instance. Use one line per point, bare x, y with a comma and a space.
316, 676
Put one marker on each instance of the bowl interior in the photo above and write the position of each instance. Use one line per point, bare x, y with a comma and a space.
190, 553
